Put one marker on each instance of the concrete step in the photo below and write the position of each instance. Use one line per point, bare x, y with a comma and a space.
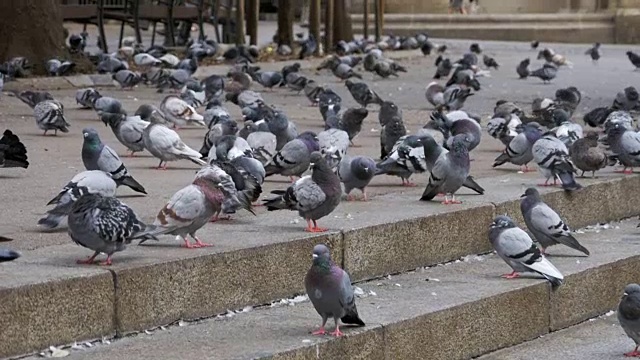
581, 28
597, 339
457, 310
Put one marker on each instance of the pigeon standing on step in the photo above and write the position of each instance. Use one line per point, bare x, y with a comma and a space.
552, 158
13, 153
625, 144
390, 134
629, 316
313, 196
49, 116
330, 291
587, 156
344, 72
86, 182
519, 150
179, 112
98, 156
449, 172
294, 158
356, 173
517, 249
351, 121
105, 225
547, 227
166, 145
405, 159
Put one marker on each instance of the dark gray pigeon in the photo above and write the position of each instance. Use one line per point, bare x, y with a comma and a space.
13, 153
519, 150
97, 156
449, 172
546, 226
362, 94
504, 128
49, 116
330, 291
385, 68
388, 110
517, 249
288, 69
308, 47
351, 121
356, 173
313, 196
594, 52
546, 73
344, 71
628, 99
294, 158
586, 155
105, 225
523, 68
390, 134
268, 79
459, 122
629, 316
56, 67
213, 87
8, 255
444, 67
490, 62
553, 160
282, 128
127, 79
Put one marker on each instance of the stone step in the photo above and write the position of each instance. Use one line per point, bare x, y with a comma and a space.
457, 310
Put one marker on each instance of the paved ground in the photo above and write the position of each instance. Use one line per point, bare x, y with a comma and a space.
54, 160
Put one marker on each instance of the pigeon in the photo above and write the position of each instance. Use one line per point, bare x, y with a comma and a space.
308, 47
465, 78
435, 129
166, 145
192, 207
629, 316
389, 135
568, 99
449, 172
127, 129
519, 150
545, 224
566, 131
229, 147
627, 100
282, 128
517, 249
625, 144
105, 225
86, 182
405, 159
77, 43
8, 255
56, 67
475, 48
333, 144
86, 97
330, 62
523, 68
444, 67
13, 153
49, 116
127, 79
214, 112
247, 175
213, 87
224, 126
344, 72
33, 98
504, 129
622, 118
328, 99
586, 155
330, 291
288, 69
175, 80
105, 104
362, 94
356, 173
490, 62
386, 68
426, 48
294, 158
535, 44
454, 97
263, 143
193, 94
634, 58
552, 157
151, 113
594, 52
312, 90
546, 73
351, 121
268, 79
459, 122
179, 112
313, 196
144, 59
434, 94
97, 156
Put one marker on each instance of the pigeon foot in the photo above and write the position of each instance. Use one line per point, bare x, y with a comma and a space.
88, 261
513, 275
337, 333
320, 331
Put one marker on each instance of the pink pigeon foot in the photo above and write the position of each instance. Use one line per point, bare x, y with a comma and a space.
88, 261
107, 262
337, 332
200, 244
513, 275
627, 172
320, 331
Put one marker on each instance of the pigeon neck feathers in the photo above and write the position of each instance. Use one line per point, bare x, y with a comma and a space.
211, 192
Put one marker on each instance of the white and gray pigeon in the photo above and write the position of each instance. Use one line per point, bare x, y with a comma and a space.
629, 316
215, 110
519, 150
193, 93
546, 226
105, 225
333, 144
127, 79
313, 196
449, 172
86, 97
56, 67
192, 207
262, 142
50, 116
294, 158
98, 156
166, 145
566, 130
461, 123
179, 112
248, 175
229, 147
405, 159
268, 79
504, 129
144, 59
33, 98
356, 173
86, 182
625, 144
282, 128
127, 129
552, 158
330, 291
106, 104
517, 249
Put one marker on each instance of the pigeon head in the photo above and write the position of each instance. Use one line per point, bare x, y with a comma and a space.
310, 139
533, 192
91, 136
321, 254
111, 118
560, 116
475, 47
503, 222
363, 168
631, 289
460, 143
348, 83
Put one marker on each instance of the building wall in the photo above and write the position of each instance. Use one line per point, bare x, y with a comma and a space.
490, 6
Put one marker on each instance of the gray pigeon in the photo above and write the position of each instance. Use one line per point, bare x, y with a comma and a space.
313, 196
127, 129
405, 159
388, 111
248, 175
444, 67
56, 67
312, 91
86, 97
454, 97
86, 182
504, 128
625, 144
519, 150
166, 145
356, 173
351, 121
362, 94
105, 104
32, 98
333, 144
385, 68
97, 156
111, 64
344, 71
179, 112
105, 225
390, 134
587, 156
546, 226
553, 160
294, 158
282, 128
127, 78
49, 116
192, 207
490, 62
229, 147
263, 144
449, 172
566, 130
628, 99
330, 291
459, 122
517, 249
213, 87
6, 254
523, 68
629, 316
268, 79
546, 73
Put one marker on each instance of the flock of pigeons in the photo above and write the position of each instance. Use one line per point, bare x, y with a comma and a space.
236, 160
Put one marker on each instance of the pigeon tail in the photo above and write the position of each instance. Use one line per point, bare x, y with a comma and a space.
352, 318
51, 221
571, 242
503, 158
429, 193
8, 255
132, 183
568, 181
470, 183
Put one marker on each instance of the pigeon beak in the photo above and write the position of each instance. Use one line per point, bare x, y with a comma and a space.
523, 195
312, 164
316, 255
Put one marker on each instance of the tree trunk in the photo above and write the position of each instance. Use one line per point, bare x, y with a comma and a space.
285, 22
342, 29
32, 29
